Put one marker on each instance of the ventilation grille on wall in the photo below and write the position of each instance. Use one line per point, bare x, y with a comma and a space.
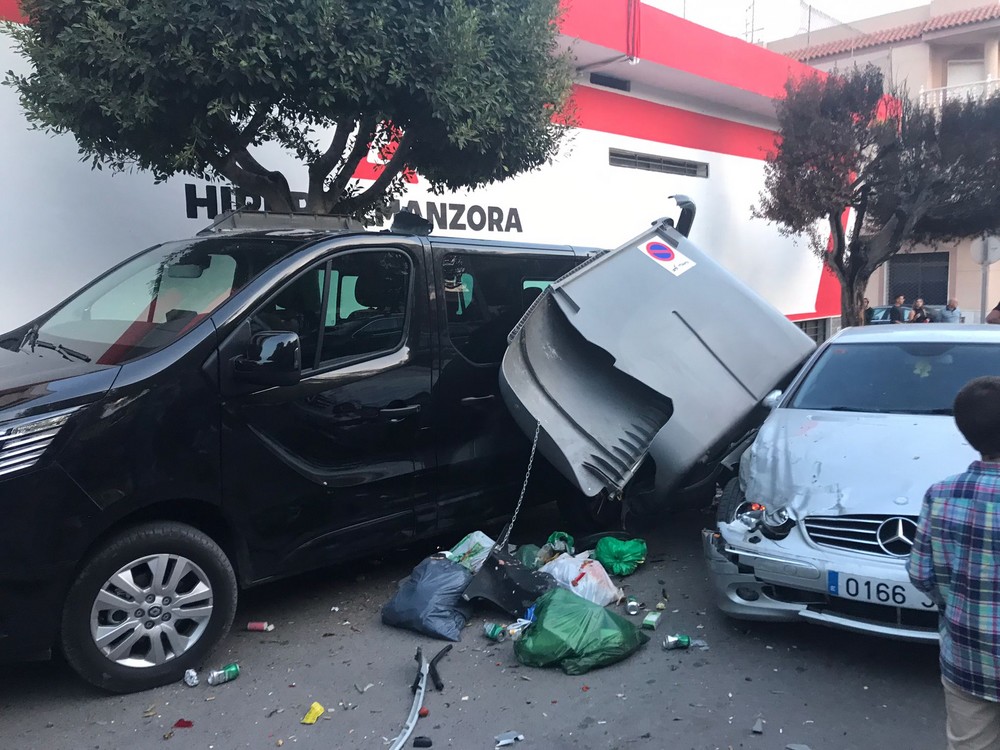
653, 163
611, 82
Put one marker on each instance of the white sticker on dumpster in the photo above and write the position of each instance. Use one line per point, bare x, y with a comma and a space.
673, 260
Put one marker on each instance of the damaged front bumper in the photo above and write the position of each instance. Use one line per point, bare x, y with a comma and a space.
765, 585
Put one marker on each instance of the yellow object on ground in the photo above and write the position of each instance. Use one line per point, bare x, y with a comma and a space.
314, 712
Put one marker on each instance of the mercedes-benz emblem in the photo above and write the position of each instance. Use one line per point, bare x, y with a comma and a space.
895, 535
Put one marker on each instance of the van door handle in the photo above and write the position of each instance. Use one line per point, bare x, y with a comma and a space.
398, 414
473, 400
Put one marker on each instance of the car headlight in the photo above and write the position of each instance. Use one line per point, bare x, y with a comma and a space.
22, 442
774, 524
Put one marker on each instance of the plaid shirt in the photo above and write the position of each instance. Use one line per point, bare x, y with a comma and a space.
955, 560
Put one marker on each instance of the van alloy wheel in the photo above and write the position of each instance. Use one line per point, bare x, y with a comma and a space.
151, 610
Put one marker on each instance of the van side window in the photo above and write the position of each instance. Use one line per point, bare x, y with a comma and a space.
485, 296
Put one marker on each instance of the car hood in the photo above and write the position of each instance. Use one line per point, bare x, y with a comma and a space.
651, 338
839, 463
34, 383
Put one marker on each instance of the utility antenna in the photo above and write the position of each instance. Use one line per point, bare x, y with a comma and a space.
750, 26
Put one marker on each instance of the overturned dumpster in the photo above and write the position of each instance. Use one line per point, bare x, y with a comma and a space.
652, 349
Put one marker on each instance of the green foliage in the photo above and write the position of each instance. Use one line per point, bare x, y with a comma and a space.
466, 89
911, 174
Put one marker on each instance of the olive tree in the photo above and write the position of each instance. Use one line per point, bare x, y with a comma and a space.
466, 92
910, 174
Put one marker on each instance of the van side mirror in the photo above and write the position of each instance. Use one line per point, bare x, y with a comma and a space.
272, 358
771, 399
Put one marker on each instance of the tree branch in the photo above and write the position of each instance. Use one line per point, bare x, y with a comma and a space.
365, 134
321, 168
252, 129
271, 186
389, 170
839, 243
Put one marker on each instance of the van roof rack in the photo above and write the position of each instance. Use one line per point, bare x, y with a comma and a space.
243, 219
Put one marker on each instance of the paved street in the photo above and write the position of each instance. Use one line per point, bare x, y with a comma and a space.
820, 688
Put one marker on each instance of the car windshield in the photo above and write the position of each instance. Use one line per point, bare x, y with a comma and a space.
895, 378
154, 299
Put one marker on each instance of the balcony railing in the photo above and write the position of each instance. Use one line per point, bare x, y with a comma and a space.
935, 98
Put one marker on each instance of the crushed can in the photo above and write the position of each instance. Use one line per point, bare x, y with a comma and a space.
495, 632
632, 605
227, 674
678, 641
651, 620
191, 678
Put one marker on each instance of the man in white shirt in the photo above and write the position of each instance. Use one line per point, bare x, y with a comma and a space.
951, 313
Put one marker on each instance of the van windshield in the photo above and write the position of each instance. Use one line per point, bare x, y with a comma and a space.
155, 298
897, 378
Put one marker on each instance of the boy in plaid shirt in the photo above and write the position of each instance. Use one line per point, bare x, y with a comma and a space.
955, 560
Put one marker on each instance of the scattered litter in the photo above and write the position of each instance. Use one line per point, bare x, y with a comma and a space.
584, 577
227, 674
334, 609
585, 688
418, 688
660, 606
576, 635
314, 712
516, 629
260, 627
525, 678
678, 641
632, 605
651, 621
150, 712
424, 712
465, 697
622, 558
428, 601
472, 551
758, 727
209, 698
364, 689
183, 724
495, 631
279, 743
797, 746
191, 678
274, 711
700, 644
422, 742
168, 735
506, 739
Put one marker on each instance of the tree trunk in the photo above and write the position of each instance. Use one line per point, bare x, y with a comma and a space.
852, 301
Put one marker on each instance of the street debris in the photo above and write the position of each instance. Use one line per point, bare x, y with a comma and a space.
422, 742
424, 712
677, 641
620, 557
699, 644
585, 577
472, 551
797, 746
150, 712
315, 711
660, 606
364, 689
495, 632
506, 739
632, 606
576, 635
419, 687
758, 726
651, 621
428, 601
260, 627
183, 724
227, 674
191, 678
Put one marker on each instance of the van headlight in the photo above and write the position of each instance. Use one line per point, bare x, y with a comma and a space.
23, 441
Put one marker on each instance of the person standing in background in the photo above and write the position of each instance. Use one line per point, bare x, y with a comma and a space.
951, 313
919, 313
896, 311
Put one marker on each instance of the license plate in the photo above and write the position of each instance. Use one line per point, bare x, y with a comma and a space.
876, 591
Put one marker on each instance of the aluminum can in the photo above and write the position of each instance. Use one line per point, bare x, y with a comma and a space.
632, 605
677, 641
191, 678
227, 674
495, 631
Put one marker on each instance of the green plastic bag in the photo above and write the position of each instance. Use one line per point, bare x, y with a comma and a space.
621, 558
528, 555
576, 635
560, 541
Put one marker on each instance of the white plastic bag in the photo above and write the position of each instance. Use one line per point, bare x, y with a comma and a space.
472, 551
584, 577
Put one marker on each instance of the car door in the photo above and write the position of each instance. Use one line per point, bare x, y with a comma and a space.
483, 291
327, 468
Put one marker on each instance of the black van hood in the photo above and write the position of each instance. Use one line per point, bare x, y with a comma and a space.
35, 383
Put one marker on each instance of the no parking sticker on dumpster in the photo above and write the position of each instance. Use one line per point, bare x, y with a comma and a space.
673, 260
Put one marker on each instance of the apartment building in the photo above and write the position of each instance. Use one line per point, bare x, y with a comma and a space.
941, 50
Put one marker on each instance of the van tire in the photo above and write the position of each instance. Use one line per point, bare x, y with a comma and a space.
206, 582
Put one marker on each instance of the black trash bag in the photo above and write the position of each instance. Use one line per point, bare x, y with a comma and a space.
428, 601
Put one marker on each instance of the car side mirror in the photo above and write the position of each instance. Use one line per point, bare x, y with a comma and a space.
272, 358
771, 399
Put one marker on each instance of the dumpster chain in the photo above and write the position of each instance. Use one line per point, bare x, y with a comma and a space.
502, 544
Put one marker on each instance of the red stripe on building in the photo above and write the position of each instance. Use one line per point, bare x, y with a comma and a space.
674, 42
610, 112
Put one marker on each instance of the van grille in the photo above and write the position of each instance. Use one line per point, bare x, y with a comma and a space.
23, 442
857, 533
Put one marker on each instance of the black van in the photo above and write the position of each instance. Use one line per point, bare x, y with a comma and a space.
244, 405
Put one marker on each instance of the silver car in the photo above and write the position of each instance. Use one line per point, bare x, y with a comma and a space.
820, 522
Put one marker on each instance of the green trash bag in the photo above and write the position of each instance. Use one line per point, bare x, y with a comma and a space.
621, 558
576, 635
528, 555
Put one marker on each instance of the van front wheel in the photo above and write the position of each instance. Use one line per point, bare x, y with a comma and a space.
150, 604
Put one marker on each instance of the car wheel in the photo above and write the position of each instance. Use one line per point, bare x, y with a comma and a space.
732, 502
588, 514
152, 603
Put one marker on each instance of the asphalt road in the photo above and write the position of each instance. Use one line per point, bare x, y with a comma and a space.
820, 688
